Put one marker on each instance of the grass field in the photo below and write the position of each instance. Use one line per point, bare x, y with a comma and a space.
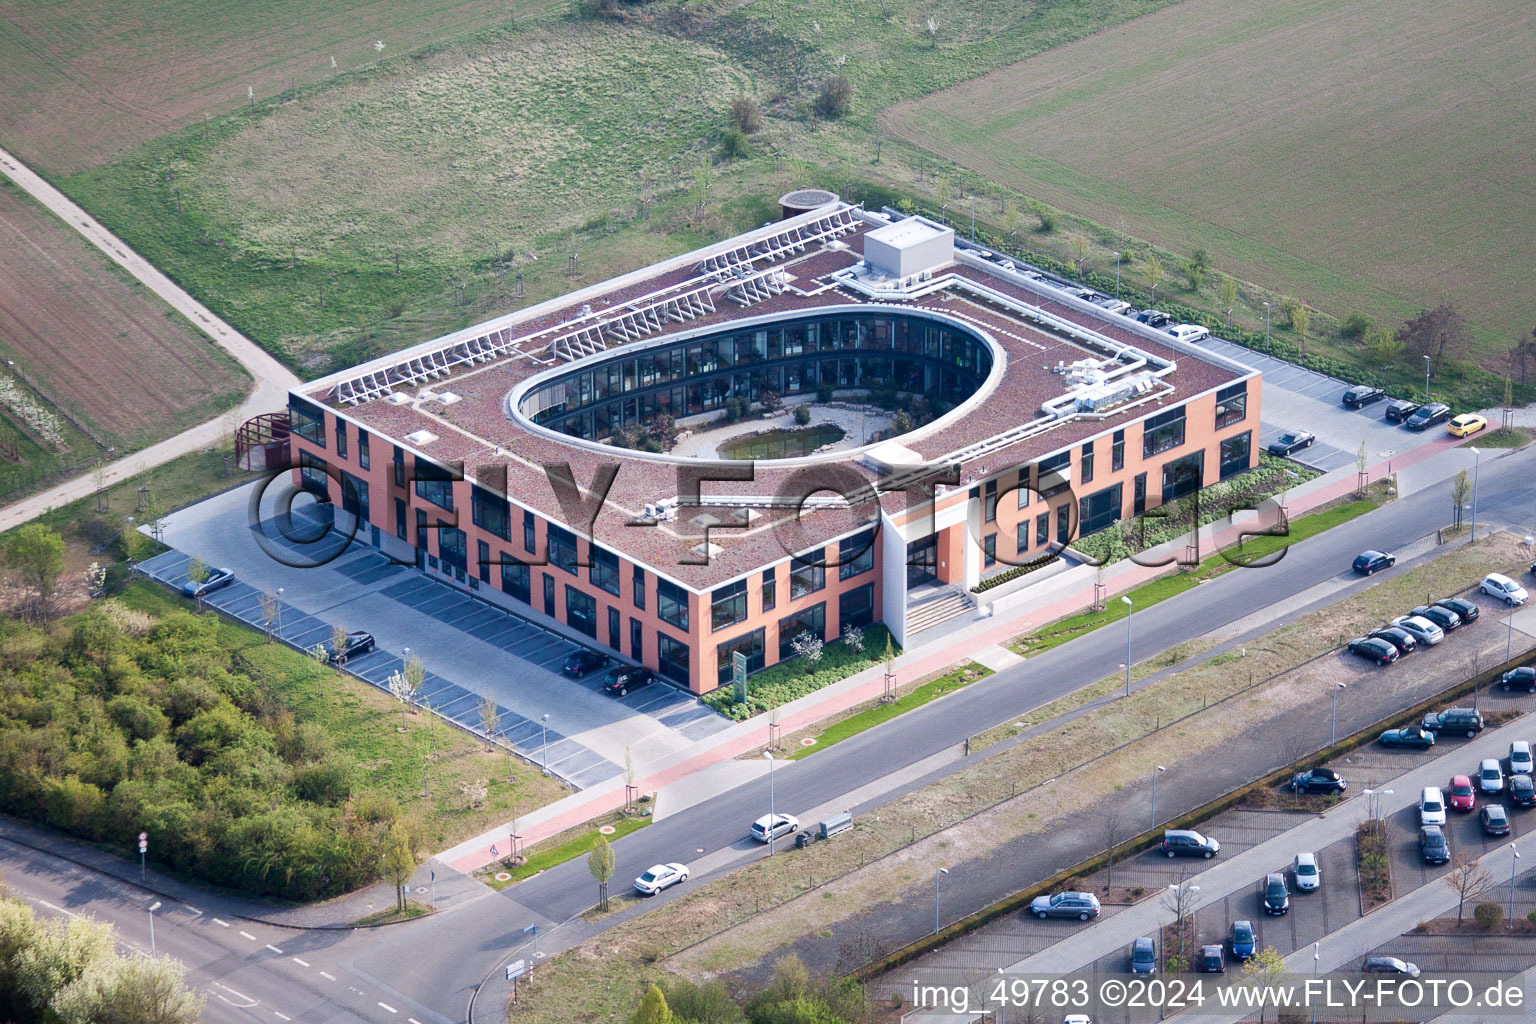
1362, 154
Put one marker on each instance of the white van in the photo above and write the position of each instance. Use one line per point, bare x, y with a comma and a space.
1431, 806
1188, 332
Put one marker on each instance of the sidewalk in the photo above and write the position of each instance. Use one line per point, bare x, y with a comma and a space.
933, 655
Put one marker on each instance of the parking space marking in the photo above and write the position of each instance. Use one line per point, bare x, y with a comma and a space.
274, 948
301, 963
221, 924
327, 976
248, 935
391, 1009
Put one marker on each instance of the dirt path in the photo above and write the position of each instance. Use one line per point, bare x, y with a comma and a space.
272, 378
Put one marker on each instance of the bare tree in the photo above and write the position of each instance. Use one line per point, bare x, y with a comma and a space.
1440, 333
318, 656
1180, 901
1461, 493
490, 717
271, 609
415, 675
1468, 880
1110, 829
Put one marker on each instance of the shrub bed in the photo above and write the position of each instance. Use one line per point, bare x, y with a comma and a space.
779, 684
997, 579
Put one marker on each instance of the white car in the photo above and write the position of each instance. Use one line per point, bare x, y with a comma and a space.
1496, 584
1188, 332
1308, 877
1520, 758
1424, 631
1490, 777
1431, 806
659, 877
783, 825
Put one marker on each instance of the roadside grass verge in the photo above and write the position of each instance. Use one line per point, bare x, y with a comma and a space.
558, 849
413, 909
874, 715
1503, 437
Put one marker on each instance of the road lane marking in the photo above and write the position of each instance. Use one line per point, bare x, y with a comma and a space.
301, 963
274, 949
221, 924
391, 1009
190, 909
281, 1016
249, 1002
328, 976
61, 910
248, 935
413, 1020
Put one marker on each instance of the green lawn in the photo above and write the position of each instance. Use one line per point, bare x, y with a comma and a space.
873, 716
579, 846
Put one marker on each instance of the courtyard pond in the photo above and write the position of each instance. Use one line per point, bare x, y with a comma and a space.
781, 444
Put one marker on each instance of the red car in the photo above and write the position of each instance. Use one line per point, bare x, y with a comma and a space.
1462, 796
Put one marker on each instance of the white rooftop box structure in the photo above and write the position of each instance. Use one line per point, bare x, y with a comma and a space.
909, 247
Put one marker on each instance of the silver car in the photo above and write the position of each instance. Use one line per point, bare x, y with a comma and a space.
1490, 777
1422, 630
1308, 877
1520, 757
1081, 905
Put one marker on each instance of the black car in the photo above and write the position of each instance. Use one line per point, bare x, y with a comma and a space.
1399, 410
1426, 416
1389, 965
1318, 780
1468, 721
1362, 395
1522, 678
1411, 737
1495, 821
1290, 441
1277, 895
358, 643
1397, 637
1369, 562
627, 677
1154, 318
1211, 961
217, 579
1382, 652
1180, 842
582, 662
1144, 956
1462, 607
1441, 616
1433, 846
1521, 790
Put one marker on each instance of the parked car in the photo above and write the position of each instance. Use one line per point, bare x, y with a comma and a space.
1382, 652
1522, 678
1426, 416
1113, 305
1362, 395
583, 662
1277, 895
1520, 757
1211, 961
659, 877
1432, 844
1431, 806
1318, 780
1490, 776
783, 825
1462, 720
1399, 410
1408, 737
1193, 333
1441, 616
1082, 905
1399, 638
1188, 843
1424, 631
1154, 318
217, 579
1308, 875
1389, 965
1496, 584
1291, 441
1242, 940
1522, 790
357, 643
1495, 820
1465, 425
1460, 793
1462, 607
1370, 562
624, 678
1144, 956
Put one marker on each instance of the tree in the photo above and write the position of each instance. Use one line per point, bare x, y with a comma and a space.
271, 609
490, 718
1180, 901
397, 861
338, 647
134, 543
401, 691
709, 1003
932, 25
1468, 880
198, 573
37, 554
1110, 828
653, 1008
835, 96
1264, 968
318, 656
475, 792
600, 864
1011, 225
853, 639
734, 144
1152, 267
1386, 346
1301, 320
1080, 250
1046, 215
1362, 459
1194, 272
808, 646
1439, 333
1461, 493
130, 990
745, 114
1227, 290
415, 675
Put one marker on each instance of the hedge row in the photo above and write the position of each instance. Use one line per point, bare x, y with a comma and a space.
779, 684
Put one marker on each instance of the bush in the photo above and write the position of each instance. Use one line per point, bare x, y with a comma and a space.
835, 97
1047, 222
823, 393
779, 684
803, 415
734, 144
1489, 915
1356, 325
745, 115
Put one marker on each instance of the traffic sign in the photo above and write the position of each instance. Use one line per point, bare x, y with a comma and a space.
516, 969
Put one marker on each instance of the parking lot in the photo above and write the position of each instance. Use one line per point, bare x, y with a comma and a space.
470, 648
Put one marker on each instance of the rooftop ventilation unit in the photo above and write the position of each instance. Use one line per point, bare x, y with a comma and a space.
421, 437
447, 398
398, 398
1102, 396
707, 550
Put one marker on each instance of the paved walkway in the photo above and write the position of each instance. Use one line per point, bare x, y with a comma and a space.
273, 379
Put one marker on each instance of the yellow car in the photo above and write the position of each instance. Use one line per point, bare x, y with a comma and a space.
1466, 424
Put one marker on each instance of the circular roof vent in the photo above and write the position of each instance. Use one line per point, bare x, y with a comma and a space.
804, 200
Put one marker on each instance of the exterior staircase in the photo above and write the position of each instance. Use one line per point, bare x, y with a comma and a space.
938, 606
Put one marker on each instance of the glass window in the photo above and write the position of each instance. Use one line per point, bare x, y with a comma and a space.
1042, 527
813, 620
1183, 475
639, 588
989, 503
529, 538
672, 604
1099, 510
1139, 495
728, 605
514, 579
605, 570
434, 483
452, 546
354, 496
1117, 452
562, 547
306, 420
490, 512
1022, 490
856, 607
805, 578
770, 590
483, 560
614, 639
856, 554
671, 657
1055, 475
363, 457
989, 549
751, 645
1162, 432
1231, 405
399, 466
312, 476
1235, 454
581, 611
1021, 537
341, 439
1087, 462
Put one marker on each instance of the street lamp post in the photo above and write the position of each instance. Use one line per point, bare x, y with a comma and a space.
405, 659
1509, 635
1514, 865
1266, 323
936, 876
1179, 889
772, 820
1477, 460
1316, 956
1117, 276
278, 629
1426, 380
1155, 772
544, 747
152, 908
1129, 607
1334, 732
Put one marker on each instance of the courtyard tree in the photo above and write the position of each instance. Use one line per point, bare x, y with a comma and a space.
36, 552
